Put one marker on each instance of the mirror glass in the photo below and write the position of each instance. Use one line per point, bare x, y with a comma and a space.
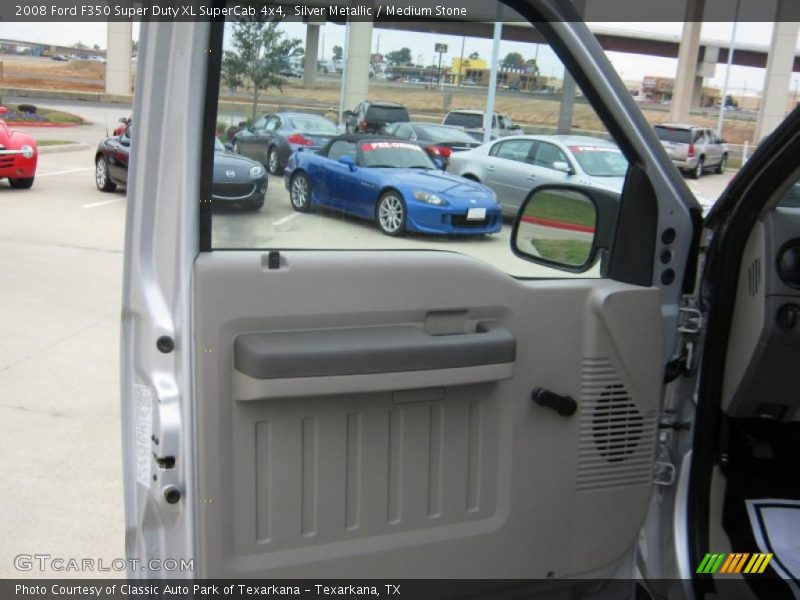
557, 226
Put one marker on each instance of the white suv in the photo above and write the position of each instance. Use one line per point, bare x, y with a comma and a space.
472, 122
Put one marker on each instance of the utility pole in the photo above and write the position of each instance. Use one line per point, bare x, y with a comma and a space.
461, 61
728, 69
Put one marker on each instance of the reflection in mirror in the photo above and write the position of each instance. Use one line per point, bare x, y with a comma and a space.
557, 226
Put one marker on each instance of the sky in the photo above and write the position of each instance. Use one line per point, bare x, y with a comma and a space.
631, 67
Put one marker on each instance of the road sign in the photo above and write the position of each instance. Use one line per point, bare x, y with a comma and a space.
441, 48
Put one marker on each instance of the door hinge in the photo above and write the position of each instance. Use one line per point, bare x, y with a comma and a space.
681, 364
690, 320
663, 473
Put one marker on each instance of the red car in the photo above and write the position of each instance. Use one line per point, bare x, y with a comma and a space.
18, 155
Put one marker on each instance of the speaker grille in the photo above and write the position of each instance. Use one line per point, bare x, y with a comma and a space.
615, 442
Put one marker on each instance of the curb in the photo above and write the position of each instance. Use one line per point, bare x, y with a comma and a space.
23, 124
65, 95
64, 148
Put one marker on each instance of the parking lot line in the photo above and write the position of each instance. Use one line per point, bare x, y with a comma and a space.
65, 172
102, 202
285, 219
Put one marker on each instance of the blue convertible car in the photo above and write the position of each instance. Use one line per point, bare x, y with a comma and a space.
393, 183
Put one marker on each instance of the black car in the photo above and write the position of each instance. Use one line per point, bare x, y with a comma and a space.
59, 58
371, 117
274, 137
238, 181
439, 141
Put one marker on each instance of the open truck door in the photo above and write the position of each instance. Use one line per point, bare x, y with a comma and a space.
304, 412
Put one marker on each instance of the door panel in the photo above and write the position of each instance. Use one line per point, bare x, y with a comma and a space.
381, 474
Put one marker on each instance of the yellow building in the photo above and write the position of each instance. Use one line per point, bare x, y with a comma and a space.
471, 69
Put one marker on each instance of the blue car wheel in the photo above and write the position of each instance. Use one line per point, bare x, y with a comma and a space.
300, 192
391, 214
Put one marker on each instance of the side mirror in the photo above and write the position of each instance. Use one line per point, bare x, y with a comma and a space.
228, 146
439, 163
564, 167
123, 120
516, 127
348, 113
348, 160
561, 227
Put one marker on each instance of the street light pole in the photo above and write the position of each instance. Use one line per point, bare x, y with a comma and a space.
728, 69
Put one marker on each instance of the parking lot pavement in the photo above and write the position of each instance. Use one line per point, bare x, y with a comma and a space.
60, 275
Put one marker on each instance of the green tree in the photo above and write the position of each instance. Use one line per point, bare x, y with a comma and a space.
731, 102
399, 57
260, 52
513, 60
475, 55
80, 45
338, 52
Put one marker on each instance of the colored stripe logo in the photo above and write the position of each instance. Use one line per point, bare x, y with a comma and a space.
734, 563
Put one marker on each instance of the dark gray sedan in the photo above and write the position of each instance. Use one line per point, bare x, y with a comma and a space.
274, 137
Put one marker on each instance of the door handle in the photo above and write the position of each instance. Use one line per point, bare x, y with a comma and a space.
563, 405
531, 178
490, 168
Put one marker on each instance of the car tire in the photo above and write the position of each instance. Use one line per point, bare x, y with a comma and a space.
273, 162
300, 192
101, 176
391, 213
22, 183
697, 172
722, 164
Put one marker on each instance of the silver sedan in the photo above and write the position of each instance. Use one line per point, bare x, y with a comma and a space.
513, 167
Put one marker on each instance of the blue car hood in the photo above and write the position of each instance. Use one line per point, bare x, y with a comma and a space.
439, 182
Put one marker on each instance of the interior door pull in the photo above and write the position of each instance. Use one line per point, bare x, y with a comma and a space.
563, 405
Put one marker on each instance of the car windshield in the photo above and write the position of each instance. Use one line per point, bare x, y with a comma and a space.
387, 114
674, 135
218, 147
395, 155
467, 120
313, 125
441, 133
600, 161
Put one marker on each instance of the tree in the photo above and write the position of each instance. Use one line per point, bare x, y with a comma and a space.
338, 52
79, 45
513, 60
399, 57
475, 55
96, 47
731, 102
260, 52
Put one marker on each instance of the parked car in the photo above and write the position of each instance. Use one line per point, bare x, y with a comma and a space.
274, 137
472, 122
392, 182
59, 58
291, 73
513, 167
371, 117
692, 148
439, 141
18, 155
238, 181
123, 123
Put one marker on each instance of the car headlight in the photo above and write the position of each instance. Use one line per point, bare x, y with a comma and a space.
256, 171
27, 151
429, 198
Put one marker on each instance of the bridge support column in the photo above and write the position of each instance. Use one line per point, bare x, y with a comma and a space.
312, 51
686, 90
359, 44
118, 58
780, 63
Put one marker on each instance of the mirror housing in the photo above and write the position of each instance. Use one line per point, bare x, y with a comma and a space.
348, 160
566, 227
564, 167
